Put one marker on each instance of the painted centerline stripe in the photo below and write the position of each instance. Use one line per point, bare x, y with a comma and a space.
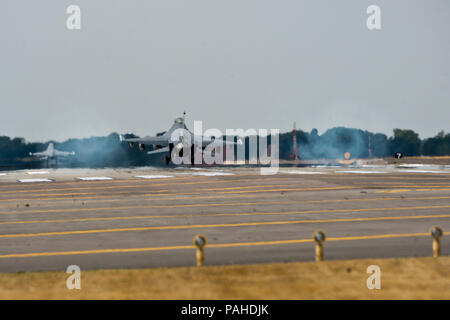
213, 204
34, 180
211, 174
142, 184
394, 191
223, 225
218, 192
221, 214
220, 245
94, 178
38, 172
106, 198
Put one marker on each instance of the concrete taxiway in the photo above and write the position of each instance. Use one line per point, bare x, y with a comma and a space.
147, 217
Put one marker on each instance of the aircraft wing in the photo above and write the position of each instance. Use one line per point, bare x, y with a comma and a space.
64, 153
165, 149
157, 140
38, 154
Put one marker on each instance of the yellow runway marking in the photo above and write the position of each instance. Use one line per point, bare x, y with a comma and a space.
238, 214
105, 198
252, 177
142, 184
229, 179
389, 175
140, 196
304, 189
432, 189
86, 188
223, 225
143, 187
235, 192
199, 205
249, 187
394, 191
47, 198
167, 195
71, 195
414, 182
150, 185
158, 192
262, 191
253, 191
121, 199
76, 196
132, 207
444, 188
138, 180
100, 182
219, 245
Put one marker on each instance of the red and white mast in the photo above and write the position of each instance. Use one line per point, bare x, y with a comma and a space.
294, 154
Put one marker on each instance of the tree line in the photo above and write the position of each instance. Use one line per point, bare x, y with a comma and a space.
363, 144
110, 152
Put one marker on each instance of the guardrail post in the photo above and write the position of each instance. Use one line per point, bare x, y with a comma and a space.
200, 242
319, 237
436, 233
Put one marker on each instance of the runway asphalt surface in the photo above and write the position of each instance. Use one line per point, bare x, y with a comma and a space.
146, 217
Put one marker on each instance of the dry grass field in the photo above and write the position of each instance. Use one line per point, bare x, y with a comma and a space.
412, 278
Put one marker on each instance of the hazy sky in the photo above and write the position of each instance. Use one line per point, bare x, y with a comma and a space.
136, 65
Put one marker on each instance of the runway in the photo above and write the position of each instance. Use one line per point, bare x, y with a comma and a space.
147, 217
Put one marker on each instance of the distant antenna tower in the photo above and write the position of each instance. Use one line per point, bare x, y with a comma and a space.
294, 155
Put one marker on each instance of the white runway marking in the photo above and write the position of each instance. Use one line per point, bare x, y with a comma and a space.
362, 171
301, 172
422, 171
94, 178
2, 174
34, 180
38, 172
325, 166
154, 177
213, 174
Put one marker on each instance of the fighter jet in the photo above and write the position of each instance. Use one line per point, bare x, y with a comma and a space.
168, 140
51, 153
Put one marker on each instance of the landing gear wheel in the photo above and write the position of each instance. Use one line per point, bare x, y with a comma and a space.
192, 155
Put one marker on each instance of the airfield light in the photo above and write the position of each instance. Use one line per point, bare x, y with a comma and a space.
347, 155
398, 155
319, 237
200, 242
436, 233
